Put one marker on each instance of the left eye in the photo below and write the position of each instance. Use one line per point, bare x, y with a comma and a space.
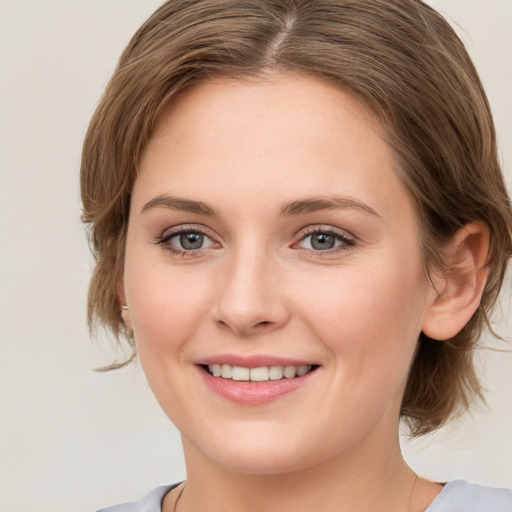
324, 240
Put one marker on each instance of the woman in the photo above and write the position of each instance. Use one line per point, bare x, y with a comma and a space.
301, 227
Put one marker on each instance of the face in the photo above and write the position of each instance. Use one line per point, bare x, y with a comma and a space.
271, 242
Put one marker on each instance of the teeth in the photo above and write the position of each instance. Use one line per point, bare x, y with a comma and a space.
289, 372
302, 370
275, 373
260, 374
226, 371
216, 370
240, 373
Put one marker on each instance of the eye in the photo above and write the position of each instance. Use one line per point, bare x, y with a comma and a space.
190, 241
320, 241
186, 240
325, 240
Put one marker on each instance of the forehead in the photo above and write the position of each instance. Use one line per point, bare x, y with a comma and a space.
274, 100
280, 135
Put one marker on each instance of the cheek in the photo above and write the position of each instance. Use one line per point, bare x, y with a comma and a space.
166, 304
167, 307
370, 318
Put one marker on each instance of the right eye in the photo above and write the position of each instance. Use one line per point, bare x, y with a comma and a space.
186, 241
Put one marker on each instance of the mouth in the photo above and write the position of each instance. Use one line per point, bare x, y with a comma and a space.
256, 379
259, 374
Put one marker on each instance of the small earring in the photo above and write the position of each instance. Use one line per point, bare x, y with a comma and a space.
125, 315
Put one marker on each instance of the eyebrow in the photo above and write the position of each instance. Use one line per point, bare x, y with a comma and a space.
294, 208
314, 204
180, 204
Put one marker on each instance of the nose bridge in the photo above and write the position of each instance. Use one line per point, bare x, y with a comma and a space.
249, 297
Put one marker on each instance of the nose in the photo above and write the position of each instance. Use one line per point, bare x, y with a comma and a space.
251, 298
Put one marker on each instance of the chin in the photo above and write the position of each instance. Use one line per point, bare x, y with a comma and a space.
261, 451
262, 463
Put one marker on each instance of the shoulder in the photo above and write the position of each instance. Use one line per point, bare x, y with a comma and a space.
151, 502
462, 496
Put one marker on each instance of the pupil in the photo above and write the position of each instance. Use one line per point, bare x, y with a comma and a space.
191, 241
322, 242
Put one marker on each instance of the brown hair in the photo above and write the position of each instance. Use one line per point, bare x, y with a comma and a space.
400, 57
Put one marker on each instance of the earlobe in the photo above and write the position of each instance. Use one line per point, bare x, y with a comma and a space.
460, 288
125, 311
125, 315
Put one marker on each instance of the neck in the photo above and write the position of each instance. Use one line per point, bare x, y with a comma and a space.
369, 478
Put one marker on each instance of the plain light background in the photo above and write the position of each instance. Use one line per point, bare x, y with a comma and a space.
74, 440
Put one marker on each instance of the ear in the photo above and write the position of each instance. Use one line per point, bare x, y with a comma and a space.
125, 313
460, 290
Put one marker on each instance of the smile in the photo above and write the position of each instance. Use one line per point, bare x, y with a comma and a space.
260, 374
249, 381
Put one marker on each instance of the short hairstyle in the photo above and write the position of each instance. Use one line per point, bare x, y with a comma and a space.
400, 57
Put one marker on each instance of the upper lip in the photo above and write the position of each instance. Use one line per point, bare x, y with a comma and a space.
252, 361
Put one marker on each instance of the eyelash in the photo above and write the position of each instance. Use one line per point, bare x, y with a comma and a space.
347, 242
164, 240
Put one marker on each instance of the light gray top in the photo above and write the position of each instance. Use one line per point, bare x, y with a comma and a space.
461, 496
457, 496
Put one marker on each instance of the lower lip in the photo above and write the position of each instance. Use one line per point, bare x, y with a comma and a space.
253, 393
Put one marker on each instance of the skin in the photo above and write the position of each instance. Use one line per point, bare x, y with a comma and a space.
258, 287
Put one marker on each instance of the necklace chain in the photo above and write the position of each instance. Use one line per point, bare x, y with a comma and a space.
178, 499
412, 492
175, 508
